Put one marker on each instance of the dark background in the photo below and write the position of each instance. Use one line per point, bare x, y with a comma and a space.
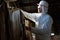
54, 6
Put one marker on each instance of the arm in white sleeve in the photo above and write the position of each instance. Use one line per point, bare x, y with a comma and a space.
46, 28
29, 15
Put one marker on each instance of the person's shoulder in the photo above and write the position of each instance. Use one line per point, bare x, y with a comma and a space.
48, 16
37, 14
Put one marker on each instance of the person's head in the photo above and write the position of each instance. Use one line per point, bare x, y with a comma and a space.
43, 6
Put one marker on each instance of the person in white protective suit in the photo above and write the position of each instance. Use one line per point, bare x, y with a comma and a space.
43, 22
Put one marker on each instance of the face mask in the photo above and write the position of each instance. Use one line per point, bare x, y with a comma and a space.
44, 9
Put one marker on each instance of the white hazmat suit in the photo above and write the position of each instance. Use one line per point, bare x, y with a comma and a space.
43, 22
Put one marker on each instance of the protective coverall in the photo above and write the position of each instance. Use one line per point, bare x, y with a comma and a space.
43, 24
